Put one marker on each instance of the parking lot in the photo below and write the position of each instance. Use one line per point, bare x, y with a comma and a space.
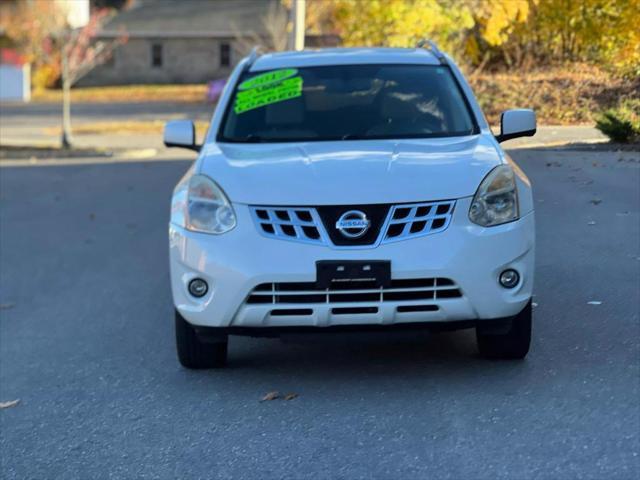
86, 345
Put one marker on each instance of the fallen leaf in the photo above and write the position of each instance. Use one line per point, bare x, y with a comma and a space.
594, 302
7, 306
270, 396
9, 404
290, 396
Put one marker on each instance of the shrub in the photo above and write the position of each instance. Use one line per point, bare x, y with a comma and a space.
45, 76
622, 123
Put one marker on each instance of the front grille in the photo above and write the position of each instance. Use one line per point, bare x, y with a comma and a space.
298, 224
408, 221
377, 215
389, 223
401, 290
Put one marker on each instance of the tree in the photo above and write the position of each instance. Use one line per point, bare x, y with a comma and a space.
30, 28
498, 33
274, 36
494, 22
604, 31
82, 52
396, 23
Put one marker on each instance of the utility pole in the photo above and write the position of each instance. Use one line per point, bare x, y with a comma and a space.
296, 37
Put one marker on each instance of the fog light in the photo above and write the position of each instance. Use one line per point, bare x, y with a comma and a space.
198, 287
509, 278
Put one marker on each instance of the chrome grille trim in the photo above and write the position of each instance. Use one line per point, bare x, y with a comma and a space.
303, 224
294, 226
299, 293
423, 218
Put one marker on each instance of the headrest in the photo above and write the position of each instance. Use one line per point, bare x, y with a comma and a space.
398, 105
285, 112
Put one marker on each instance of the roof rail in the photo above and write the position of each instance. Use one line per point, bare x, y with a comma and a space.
433, 48
253, 56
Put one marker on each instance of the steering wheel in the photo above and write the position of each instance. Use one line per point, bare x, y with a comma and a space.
425, 123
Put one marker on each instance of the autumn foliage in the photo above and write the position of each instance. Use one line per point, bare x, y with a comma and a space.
31, 28
495, 33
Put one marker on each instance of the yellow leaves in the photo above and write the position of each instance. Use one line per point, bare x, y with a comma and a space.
625, 42
399, 23
499, 31
45, 76
498, 18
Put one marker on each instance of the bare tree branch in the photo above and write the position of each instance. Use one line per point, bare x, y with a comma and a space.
275, 23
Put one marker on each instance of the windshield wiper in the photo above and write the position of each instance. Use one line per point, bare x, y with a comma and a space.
251, 138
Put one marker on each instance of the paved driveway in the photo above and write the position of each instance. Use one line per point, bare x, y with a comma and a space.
86, 344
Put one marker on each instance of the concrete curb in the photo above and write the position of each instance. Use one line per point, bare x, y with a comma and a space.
40, 153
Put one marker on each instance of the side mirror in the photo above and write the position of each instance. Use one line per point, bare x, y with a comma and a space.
180, 133
516, 123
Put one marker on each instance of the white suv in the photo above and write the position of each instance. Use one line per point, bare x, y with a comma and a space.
350, 188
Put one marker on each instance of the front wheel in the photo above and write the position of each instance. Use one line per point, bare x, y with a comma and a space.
512, 344
193, 352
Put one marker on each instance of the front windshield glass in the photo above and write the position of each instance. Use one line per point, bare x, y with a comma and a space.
346, 102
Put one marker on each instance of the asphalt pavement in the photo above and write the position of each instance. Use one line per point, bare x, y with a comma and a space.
86, 345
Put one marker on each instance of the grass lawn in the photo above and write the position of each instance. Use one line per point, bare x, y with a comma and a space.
121, 128
128, 93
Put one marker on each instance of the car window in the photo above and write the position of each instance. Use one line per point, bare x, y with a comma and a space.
346, 102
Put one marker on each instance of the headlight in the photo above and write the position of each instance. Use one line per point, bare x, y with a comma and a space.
496, 200
199, 205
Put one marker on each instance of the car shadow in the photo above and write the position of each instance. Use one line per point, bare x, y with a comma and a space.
338, 361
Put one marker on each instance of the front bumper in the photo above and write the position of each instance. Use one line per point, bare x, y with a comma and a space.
235, 263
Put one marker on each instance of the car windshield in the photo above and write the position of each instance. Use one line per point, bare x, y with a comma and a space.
346, 102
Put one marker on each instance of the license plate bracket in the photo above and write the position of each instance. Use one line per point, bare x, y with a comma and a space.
342, 272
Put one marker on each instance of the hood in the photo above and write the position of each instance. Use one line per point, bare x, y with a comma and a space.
351, 172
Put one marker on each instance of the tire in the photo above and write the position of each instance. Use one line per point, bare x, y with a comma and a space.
194, 353
512, 345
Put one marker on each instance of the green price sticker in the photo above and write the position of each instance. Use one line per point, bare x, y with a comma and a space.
266, 89
267, 78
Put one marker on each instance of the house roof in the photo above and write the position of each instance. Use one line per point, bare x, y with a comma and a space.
192, 18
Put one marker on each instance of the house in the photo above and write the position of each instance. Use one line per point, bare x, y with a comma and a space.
15, 77
187, 41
